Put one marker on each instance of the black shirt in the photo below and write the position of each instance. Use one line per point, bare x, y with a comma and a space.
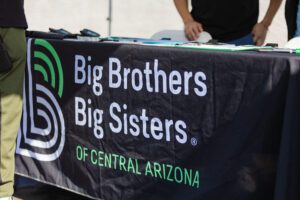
12, 14
226, 19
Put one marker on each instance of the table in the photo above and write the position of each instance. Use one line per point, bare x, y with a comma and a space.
129, 121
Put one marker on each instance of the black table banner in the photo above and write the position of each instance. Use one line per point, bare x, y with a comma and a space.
123, 121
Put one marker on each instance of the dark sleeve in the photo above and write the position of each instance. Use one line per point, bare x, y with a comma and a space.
12, 14
291, 7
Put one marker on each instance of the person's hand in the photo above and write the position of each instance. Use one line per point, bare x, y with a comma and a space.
192, 30
259, 33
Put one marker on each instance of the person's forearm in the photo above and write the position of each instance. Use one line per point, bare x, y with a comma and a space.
272, 9
182, 8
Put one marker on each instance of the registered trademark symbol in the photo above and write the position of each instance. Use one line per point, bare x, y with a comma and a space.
194, 141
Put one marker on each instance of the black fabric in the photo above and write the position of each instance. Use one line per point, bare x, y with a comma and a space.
226, 20
291, 8
12, 14
242, 129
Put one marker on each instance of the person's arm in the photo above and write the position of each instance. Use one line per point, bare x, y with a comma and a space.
260, 29
192, 28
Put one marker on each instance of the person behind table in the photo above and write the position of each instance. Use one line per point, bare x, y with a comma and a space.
12, 32
292, 16
231, 21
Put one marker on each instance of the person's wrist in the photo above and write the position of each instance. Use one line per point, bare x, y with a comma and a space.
187, 21
265, 25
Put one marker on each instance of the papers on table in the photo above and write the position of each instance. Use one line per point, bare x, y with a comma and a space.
194, 45
224, 47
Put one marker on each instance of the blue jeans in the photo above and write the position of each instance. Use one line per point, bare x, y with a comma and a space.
245, 40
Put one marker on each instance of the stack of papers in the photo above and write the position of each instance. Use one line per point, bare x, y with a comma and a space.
224, 47
196, 45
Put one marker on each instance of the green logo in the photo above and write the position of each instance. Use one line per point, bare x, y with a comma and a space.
55, 77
